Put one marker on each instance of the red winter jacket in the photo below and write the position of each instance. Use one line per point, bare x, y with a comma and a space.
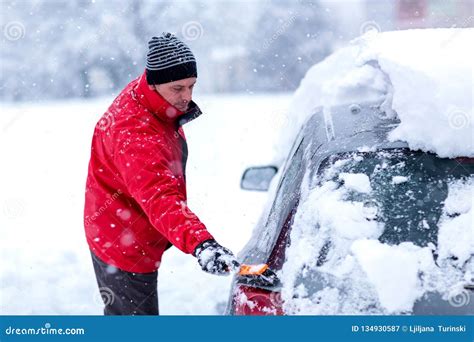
135, 203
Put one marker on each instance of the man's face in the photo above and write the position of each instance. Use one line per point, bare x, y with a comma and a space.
178, 93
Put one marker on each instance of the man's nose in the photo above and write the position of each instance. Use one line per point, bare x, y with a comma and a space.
187, 96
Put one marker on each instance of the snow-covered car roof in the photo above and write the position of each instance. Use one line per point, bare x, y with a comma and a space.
421, 77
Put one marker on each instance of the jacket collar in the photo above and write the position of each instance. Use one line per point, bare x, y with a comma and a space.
164, 110
193, 112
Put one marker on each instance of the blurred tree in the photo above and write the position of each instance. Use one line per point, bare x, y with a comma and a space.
288, 39
62, 49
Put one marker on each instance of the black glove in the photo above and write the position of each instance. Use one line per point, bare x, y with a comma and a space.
214, 258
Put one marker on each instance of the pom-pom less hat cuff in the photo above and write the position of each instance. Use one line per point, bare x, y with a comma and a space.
174, 73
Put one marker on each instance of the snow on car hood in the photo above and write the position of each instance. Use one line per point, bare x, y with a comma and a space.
422, 76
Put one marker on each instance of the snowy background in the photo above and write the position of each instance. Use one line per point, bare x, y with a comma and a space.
63, 62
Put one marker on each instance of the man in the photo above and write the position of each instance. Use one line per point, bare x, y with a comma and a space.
135, 202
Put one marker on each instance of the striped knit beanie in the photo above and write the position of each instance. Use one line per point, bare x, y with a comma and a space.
168, 60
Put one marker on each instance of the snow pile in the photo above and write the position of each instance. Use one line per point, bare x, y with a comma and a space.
399, 179
341, 223
456, 232
432, 81
335, 80
356, 181
423, 76
393, 271
337, 265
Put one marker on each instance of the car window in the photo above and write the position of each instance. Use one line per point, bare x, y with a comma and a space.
288, 189
374, 232
285, 203
407, 189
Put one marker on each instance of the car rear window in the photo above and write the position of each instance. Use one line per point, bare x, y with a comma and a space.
376, 232
407, 189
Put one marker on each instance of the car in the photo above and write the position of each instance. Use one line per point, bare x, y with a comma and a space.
371, 211
355, 225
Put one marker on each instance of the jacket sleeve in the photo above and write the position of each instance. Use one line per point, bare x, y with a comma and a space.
143, 161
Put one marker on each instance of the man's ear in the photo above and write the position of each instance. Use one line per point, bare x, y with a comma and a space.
151, 87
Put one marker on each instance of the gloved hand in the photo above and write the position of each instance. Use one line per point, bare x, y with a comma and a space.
215, 258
